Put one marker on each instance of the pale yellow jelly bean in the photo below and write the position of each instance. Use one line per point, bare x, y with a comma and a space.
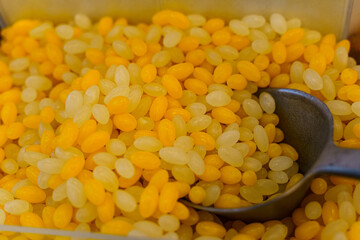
174, 155
5, 196
17, 206
124, 201
231, 156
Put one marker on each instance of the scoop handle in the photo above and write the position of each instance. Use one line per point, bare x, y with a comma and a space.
339, 161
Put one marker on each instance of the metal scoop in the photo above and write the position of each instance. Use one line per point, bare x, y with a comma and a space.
308, 126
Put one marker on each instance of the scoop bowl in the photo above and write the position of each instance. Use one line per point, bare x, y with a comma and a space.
308, 126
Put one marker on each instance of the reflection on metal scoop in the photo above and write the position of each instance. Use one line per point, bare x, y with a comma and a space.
308, 126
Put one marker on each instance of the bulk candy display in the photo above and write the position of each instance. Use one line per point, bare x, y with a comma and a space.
106, 125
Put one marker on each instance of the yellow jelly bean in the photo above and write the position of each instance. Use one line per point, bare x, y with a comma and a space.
228, 200
210, 174
168, 197
148, 201
72, 167
62, 215
294, 51
230, 175
104, 26
159, 178
29, 219
307, 230
94, 191
214, 24
292, 36
148, 73
54, 53
125, 122
69, 134
118, 105
95, 141
116, 226
48, 216
138, 47
91, 78
8, 113
279, 52
106, 210
330, 212
180, 211
196, 85
354, 231
181, 70
31, 193
255, 230
166, 132
172, 86
15, 130
178, 19
158, 108
197, 194
188, 43
222, 72
249, 178
208, 228
318, 63
261, 62
95, 56
249, 70
349, 76
145, 160
5, 83
205, 139
172, 112
223, 115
